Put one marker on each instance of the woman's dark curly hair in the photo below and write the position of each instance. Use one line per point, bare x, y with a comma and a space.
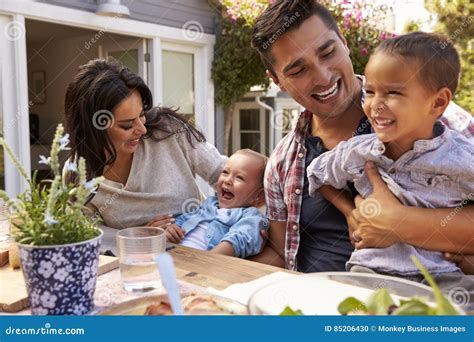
98, 87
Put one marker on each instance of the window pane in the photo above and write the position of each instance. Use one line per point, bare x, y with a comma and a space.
250, 119
250, 140
178, 81
128, 58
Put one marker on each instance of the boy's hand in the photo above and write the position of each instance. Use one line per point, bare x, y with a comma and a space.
174, 233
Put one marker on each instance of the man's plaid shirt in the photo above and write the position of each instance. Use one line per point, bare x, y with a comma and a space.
284, 175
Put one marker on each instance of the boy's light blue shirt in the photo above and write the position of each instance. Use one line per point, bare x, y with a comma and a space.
436, 173
241, 227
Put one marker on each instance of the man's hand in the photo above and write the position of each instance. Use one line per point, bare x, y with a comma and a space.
464, 261
375, 217
174, 233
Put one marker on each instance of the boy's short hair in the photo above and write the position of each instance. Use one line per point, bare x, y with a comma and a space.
436, 55
258, 156
282, 16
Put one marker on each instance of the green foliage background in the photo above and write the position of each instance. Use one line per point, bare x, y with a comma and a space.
456, 20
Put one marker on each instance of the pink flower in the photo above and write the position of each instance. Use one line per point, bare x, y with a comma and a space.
347, 22
363, 51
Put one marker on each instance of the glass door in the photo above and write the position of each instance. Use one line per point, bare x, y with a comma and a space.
131, 52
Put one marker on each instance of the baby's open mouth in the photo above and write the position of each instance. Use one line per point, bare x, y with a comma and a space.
226, 194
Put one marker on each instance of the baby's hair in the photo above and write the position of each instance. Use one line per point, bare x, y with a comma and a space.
256, 155
436, 55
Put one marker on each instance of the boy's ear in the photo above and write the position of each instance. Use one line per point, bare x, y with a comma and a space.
441, 101
275, 80
260, 199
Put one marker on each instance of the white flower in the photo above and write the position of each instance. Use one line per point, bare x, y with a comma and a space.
46, 268
48, 300
72, 167
63, 142
58, 258
79, 310
49, 219
44, 160
41, 311
90, 185
61, 274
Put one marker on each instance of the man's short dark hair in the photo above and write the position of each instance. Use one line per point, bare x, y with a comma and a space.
437, 58
283, 16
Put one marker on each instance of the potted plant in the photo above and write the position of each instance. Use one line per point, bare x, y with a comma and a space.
58, 243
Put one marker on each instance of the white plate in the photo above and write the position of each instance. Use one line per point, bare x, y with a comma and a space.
321, 293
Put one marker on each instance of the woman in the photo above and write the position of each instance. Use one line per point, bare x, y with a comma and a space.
148, 156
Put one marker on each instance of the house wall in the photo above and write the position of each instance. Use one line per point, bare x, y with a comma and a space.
174, 13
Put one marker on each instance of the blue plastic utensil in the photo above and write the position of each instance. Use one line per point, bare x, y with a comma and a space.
168, 277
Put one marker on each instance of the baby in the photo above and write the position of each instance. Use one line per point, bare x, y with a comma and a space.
230, 222
410, 80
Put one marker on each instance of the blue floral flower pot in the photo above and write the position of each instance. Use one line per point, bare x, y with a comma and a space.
61, 279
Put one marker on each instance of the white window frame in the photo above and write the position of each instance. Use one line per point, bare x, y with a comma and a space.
14, 102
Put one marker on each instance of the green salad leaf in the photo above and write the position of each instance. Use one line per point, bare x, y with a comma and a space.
290, 312
379, 302
351, 304
443, 307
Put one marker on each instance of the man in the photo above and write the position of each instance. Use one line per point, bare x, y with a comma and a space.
307, 56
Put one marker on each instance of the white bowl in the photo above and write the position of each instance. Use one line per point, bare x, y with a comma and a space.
321, 293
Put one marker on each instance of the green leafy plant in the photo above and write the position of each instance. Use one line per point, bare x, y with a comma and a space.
455, 20
52, 214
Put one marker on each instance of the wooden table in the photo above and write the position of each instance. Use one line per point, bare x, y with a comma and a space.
196, 270
219, 271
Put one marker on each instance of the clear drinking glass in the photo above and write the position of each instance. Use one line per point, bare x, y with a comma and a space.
4, 224
138, 247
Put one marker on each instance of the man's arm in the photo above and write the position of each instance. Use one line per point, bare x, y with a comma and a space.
433, 229
274, 251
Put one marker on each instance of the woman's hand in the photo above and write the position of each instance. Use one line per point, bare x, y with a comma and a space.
464, 261
161, 221
375, 218
174, 233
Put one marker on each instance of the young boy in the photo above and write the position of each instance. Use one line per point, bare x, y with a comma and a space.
410, 80
230, 222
